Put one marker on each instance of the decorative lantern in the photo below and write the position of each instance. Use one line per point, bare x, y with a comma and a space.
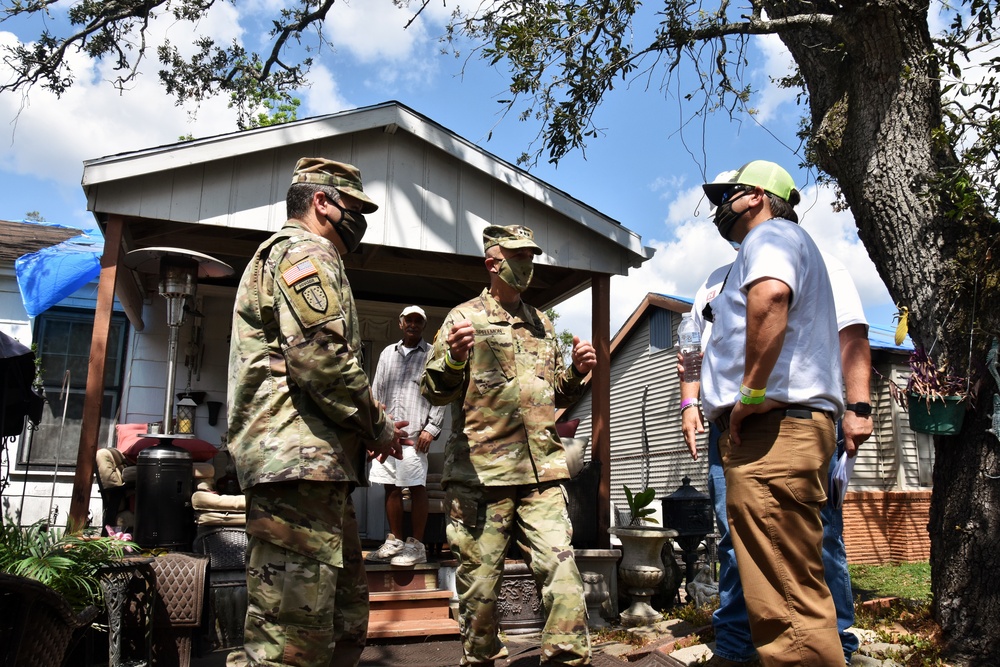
185, 415
688, 511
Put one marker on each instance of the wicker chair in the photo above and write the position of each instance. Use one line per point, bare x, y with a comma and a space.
37, 625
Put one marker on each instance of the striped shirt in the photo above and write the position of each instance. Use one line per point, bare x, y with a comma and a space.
397, 385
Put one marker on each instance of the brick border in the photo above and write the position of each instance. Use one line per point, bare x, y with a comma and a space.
882, 527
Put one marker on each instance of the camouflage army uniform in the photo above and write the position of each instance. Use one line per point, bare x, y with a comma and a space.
502, 471
300, 412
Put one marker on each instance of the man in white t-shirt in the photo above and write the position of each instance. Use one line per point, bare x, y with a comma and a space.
771, 383
733, 642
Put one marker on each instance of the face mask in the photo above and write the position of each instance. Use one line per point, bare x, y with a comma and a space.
517, 272
725, 218
351, 227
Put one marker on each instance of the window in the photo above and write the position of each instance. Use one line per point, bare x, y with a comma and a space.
661, 334
63, 347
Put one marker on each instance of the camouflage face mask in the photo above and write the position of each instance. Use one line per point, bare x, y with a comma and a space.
517, 272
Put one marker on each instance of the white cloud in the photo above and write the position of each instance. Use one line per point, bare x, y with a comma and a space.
375, 30
50, 137
776, 63
695, 248
323, 95
836, 233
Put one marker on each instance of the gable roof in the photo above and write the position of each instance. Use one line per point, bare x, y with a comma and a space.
223, 195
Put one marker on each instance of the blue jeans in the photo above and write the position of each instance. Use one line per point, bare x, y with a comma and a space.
732, 628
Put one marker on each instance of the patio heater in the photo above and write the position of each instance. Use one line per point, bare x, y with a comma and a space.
163, 513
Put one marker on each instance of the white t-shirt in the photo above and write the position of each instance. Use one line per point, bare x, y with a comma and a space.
845, 296
807, 371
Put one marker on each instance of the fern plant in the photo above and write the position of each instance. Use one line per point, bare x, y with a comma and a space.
67, 563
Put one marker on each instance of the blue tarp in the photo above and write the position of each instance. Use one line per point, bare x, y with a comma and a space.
50, 275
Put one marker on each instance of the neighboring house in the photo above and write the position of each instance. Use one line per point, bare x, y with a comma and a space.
886, 508
223, 195
40, 464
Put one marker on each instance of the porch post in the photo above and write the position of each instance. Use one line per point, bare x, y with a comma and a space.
600, 387
90, 426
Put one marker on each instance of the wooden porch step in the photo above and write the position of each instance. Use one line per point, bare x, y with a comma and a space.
410, 614
383, 577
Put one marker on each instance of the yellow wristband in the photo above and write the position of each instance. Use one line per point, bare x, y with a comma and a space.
455, 365
753, 393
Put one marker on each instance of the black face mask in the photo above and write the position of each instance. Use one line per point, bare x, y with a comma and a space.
351, 227
725, 218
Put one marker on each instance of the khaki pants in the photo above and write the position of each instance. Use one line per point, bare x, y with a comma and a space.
775, 488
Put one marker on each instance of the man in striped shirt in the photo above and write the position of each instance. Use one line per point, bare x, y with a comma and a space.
397, 386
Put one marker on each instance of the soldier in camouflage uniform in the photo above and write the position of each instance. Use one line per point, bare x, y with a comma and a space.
497, 362
301, 417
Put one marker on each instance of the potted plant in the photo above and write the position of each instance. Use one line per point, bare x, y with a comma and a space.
641, 569
934, 398
49, 586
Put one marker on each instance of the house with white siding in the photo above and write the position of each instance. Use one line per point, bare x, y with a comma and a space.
885, 511
221, 196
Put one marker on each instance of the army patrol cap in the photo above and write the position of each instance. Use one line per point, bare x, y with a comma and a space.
760, 173
510, 237
346, 178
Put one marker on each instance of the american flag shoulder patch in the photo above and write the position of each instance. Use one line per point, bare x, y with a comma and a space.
303, 269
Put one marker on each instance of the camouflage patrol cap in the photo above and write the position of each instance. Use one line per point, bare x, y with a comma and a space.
510, 237
344, 177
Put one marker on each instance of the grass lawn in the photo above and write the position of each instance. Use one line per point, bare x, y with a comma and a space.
911, 581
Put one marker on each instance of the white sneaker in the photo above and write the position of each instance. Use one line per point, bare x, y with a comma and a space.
413, 552
384, 553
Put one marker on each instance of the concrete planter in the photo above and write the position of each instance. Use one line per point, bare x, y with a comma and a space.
641, 570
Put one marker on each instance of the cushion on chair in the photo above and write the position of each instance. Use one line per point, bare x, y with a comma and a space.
110, 468
575, 448
567, 429
203, 470
206, 500
220, 518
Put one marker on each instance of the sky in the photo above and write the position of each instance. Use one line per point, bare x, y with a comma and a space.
644, 170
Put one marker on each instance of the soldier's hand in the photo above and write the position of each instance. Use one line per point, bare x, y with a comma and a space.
584, 356
394, 448
460, 340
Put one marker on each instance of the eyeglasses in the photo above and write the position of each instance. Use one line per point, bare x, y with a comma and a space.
736, 189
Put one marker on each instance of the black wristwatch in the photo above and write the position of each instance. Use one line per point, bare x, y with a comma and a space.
860, 409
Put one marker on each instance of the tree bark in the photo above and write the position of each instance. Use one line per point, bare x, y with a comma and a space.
875, 104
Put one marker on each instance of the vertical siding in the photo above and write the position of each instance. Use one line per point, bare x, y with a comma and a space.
441, 202
632, 369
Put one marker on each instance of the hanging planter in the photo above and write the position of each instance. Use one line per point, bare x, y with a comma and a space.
936, 415
934, 398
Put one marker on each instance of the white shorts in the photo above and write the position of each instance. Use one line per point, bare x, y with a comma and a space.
411, 470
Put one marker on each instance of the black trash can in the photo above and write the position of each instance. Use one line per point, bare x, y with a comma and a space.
163, 515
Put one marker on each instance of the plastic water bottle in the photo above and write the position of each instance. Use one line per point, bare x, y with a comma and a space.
689, 340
